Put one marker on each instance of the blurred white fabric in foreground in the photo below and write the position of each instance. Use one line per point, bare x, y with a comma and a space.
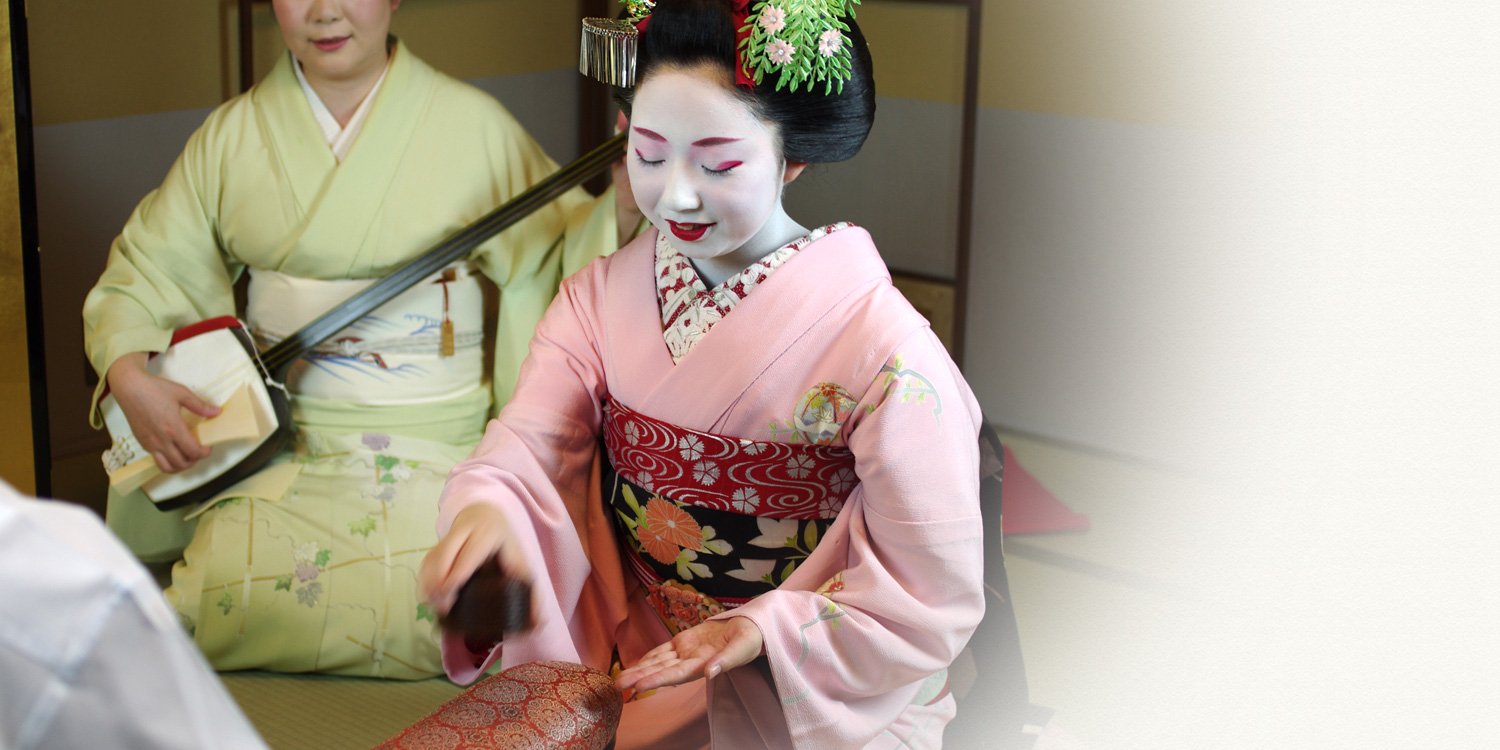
90, 654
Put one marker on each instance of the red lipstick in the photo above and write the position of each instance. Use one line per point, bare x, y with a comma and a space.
688, 232
330, 44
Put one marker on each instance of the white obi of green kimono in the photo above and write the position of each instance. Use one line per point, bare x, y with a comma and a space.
310, 564
392, 356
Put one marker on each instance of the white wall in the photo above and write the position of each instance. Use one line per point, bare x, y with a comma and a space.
1093, 252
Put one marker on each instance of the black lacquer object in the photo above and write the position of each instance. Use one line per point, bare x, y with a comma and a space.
490, 605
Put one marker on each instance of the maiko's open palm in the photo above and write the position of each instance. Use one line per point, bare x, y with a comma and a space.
704, 650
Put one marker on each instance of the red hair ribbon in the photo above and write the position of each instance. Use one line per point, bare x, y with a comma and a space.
741, 15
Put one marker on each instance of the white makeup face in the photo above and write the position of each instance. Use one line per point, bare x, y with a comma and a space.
337, 41
705, 170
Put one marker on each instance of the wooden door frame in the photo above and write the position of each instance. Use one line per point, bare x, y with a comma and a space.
30, 251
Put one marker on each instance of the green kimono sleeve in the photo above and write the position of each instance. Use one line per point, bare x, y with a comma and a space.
165, 270
529, 260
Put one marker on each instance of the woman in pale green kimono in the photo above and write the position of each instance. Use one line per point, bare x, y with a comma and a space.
351, 157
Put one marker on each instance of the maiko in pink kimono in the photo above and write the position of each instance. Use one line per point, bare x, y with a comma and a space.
737, 463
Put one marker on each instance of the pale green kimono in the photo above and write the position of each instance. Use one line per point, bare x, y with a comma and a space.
310, 565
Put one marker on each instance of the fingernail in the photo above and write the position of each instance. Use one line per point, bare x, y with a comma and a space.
714, 671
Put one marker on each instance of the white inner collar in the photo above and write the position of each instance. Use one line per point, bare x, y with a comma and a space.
340, 139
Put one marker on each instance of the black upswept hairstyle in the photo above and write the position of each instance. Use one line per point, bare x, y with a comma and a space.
814, 127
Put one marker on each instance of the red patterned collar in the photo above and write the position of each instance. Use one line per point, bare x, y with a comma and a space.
689, 309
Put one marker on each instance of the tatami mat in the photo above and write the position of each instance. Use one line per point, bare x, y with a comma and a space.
320, 712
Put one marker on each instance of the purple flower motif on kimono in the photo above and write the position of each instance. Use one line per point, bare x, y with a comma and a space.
705, 473
798, 466
692, 447
745, 500
309, 594
376, 441
307, 563
387, 493
306, 571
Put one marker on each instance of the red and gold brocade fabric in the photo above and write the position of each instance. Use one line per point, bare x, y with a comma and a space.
538, 704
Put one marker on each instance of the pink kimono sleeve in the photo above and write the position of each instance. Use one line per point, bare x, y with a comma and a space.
857, 640
537, 464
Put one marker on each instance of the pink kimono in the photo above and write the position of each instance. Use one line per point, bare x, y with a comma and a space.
818, 437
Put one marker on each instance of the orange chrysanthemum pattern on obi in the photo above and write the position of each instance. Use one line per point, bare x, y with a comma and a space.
669, 530
549, 704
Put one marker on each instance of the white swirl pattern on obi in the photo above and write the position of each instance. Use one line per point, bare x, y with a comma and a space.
777, 480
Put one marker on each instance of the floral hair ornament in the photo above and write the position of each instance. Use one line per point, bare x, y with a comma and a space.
800, 42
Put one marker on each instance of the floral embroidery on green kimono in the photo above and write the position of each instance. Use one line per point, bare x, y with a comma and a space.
310, 564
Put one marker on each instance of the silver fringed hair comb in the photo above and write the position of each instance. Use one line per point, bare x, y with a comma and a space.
607, 51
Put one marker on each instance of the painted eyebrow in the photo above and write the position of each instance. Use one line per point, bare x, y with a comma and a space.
655, 136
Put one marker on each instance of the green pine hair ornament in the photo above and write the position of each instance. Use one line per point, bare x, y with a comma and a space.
801, 42
638, 9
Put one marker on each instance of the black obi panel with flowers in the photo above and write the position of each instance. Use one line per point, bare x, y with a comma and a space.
714, 521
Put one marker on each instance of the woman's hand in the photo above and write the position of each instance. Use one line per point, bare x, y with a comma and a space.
479, 533
153, 407
704, 650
